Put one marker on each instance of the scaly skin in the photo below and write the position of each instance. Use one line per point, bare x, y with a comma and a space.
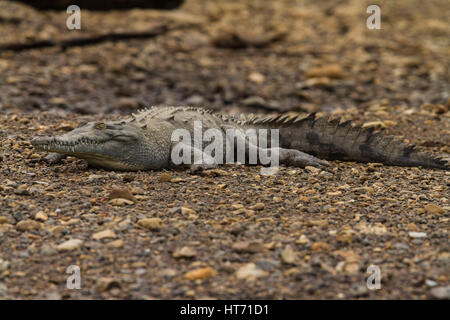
143, 141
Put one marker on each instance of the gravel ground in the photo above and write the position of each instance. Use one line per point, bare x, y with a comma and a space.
228, 233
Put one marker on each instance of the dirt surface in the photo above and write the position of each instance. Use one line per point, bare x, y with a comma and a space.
226, 233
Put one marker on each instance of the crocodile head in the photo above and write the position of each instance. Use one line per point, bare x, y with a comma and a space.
109, 145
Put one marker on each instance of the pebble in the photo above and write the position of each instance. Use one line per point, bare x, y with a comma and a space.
258, 206
150, 223
302, 240
332, 71
186, 210
413, 234
22, 190
28, 225
70, 245
185, 252
121, 193
248, 246
431, 283
195, 100
201, 273
105, 234
320, 246
95, 177
106, 284
254, 101
168, 272
116, 244
433, 208
3, 290
441, 292
165, 177
120, 202
256, 77
127, 103
4, 265
41, 216
48, 251
288, 255
401, 246
250, 272
313, 170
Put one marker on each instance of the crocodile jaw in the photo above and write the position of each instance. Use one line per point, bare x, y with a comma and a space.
94, 152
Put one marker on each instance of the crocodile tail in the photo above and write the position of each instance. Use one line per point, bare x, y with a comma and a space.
332, 139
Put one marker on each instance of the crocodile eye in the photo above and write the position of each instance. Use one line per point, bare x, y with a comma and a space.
100, 126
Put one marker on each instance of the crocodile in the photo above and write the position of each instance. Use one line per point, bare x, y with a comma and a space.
143, 141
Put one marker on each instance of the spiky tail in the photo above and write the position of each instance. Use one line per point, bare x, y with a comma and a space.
335, 140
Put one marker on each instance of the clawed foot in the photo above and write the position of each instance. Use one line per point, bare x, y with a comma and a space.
54, 158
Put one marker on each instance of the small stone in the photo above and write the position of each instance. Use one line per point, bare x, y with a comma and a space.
4, 265
105, 234
256, 77
168, 273
117, 244
195, 100
250, 272
95, 177
413, 234
48, 251
139, 264
201, 273
22, 190
127, 103
302, 240
65, 127
441, 292
312, 170
248, 246
186, 210
121, 193
288, 255
175, 210
320, 246
345, 236
254, 101
401, 246
150, 223
165, 177
351, 268
431, 283
120, 202
70, 245
332, 71
3, 290
28, 225
185, 252
258, 206
319, 82
41, 216
334, 194
106, 284
433, 208
374, 124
